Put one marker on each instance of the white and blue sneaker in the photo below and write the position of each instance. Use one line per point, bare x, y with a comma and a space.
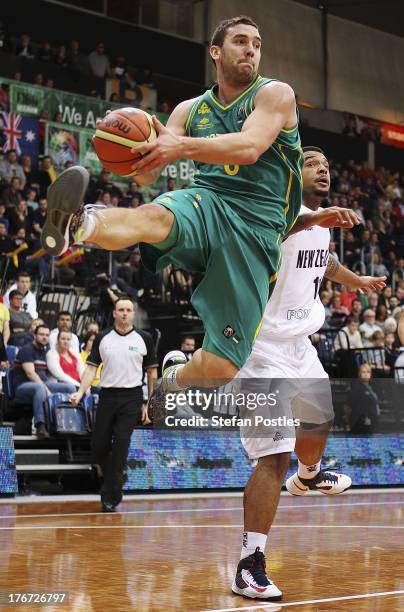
329, 483
251, 579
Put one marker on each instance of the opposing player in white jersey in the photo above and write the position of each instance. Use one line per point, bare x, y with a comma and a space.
283, 350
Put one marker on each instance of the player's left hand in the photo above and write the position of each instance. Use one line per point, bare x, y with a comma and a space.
163, 150
367, 284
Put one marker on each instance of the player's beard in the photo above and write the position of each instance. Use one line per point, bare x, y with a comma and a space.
235, 76
321, 193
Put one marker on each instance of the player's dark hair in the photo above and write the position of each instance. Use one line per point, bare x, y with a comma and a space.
305, 149
23, 275
220, 32
38, 327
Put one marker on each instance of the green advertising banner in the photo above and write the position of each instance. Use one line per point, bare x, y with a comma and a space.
68, 144
55, 105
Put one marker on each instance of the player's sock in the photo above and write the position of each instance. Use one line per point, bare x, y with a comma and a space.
170, 379
251, 541
84, 231
308, 471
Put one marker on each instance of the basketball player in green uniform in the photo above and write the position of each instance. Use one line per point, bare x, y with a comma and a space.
243, 136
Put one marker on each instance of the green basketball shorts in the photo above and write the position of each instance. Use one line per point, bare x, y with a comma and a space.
239, 264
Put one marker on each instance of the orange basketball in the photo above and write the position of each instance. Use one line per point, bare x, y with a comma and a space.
118, 133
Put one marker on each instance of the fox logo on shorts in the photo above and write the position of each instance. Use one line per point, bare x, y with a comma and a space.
228, 332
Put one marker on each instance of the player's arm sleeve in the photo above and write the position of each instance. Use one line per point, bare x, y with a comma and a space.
94, 357
150, 359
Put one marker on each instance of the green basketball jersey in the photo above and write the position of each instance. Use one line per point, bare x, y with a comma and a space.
265, 194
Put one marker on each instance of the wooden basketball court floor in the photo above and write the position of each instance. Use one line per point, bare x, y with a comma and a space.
179, 555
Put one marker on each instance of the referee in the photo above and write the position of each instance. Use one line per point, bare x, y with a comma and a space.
124, 353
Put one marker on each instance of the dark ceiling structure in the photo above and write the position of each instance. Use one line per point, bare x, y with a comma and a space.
385, 15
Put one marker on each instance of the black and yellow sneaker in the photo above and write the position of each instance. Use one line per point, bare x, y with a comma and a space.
65, 210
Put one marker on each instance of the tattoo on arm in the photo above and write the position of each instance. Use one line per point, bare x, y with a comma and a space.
333, 266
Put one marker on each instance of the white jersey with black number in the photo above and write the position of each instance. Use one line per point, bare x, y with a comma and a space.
294, 309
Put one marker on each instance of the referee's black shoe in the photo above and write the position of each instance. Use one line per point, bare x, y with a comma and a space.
107, 507
65, 205
156, 406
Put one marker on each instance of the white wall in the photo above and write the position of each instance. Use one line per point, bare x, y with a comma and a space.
366, 67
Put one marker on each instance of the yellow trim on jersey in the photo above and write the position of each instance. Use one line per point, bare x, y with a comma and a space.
257, 331
287, 130
132, 144
288, 190
237, 99
273, 277
191, 114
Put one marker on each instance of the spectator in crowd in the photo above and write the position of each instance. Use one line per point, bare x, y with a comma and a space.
349, 337
24, 48
188, 346
373, 301
31, 379
39, 79
104, 183
90, 326
119, 67
364, 410
376, 355
10, 168
171, 184
133, 192
99, 62
381, 315
63, 363
77, 61
4, 323
18, 217
333, 250
129, 89
31, 199
4, 96
47, 175
86, 351
3, 218
60, 58
368, 327
31, 174
6, 243
356, 309
376, 267
23, 285
44, 53
38, 217
114, 97
20, 320
64, 323
50, 83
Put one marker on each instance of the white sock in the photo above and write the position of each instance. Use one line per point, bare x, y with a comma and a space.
86, 229
308, 471
170, 381
251, 541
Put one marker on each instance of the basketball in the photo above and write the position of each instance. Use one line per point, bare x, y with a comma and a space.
118, 133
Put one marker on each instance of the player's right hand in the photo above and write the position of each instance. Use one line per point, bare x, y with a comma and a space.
335, 216
75, 398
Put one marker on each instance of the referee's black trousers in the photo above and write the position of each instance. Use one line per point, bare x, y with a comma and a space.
118, 412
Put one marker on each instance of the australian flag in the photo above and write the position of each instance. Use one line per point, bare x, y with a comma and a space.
21, 134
